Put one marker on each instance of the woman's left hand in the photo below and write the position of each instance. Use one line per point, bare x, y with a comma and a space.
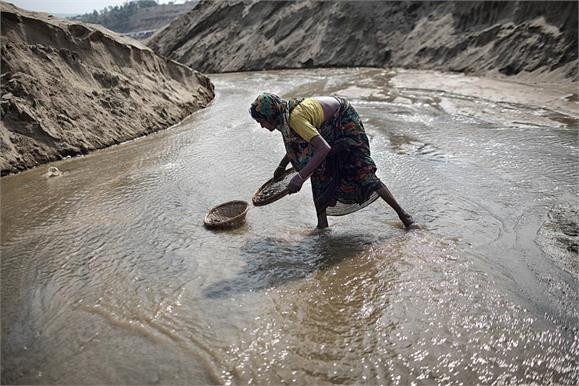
295, 184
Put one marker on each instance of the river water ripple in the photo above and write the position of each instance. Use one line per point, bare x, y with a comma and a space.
109, 277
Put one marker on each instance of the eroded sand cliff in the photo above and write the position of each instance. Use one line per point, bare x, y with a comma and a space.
69, 87
533, 39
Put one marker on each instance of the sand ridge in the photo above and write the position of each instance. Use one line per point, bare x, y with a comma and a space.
70, 87
533, 39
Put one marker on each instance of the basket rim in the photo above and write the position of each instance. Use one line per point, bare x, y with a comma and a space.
274, 197
229, 220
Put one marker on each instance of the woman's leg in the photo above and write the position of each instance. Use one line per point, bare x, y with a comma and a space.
322, 218
406, 219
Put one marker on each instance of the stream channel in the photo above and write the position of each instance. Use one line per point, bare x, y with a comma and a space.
110, 277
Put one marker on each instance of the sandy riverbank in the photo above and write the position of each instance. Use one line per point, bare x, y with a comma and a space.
69, 88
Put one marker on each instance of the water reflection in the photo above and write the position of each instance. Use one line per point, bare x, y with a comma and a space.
322, 328
273, 262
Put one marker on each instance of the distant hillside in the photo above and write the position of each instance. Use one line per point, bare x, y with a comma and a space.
136, 16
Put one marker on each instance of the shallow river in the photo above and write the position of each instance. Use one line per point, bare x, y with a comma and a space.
109, 277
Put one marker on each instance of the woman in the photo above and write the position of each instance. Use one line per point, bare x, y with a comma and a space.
324, 139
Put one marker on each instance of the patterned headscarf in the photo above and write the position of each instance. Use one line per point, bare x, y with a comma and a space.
274, 110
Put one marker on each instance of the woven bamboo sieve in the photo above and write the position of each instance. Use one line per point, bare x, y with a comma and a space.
230, 214
259, 199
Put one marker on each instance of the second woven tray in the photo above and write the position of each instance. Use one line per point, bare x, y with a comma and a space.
273, 190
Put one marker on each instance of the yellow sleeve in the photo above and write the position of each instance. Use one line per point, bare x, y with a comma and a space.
301, 123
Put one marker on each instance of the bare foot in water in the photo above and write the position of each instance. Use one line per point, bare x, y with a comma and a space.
409, 223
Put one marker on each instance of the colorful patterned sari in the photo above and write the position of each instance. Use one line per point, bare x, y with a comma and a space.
345, 182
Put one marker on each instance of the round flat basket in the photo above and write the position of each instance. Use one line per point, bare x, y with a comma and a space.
230, 214
273, 190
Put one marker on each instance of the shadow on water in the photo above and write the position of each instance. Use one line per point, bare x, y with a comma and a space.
273, 262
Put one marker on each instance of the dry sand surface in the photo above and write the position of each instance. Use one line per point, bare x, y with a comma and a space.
69, 87
534, 39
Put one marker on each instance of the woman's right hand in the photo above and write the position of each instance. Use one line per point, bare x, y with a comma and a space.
295, 185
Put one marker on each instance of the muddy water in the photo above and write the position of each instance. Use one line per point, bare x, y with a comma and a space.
109, 277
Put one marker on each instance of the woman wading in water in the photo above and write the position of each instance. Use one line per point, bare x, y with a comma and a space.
324, 139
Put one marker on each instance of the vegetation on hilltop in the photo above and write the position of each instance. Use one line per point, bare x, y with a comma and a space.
116, 18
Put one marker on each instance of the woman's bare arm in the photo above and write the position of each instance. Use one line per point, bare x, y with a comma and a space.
320, 149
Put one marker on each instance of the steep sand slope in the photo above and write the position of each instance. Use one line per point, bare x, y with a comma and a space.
68, 88
473, 37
